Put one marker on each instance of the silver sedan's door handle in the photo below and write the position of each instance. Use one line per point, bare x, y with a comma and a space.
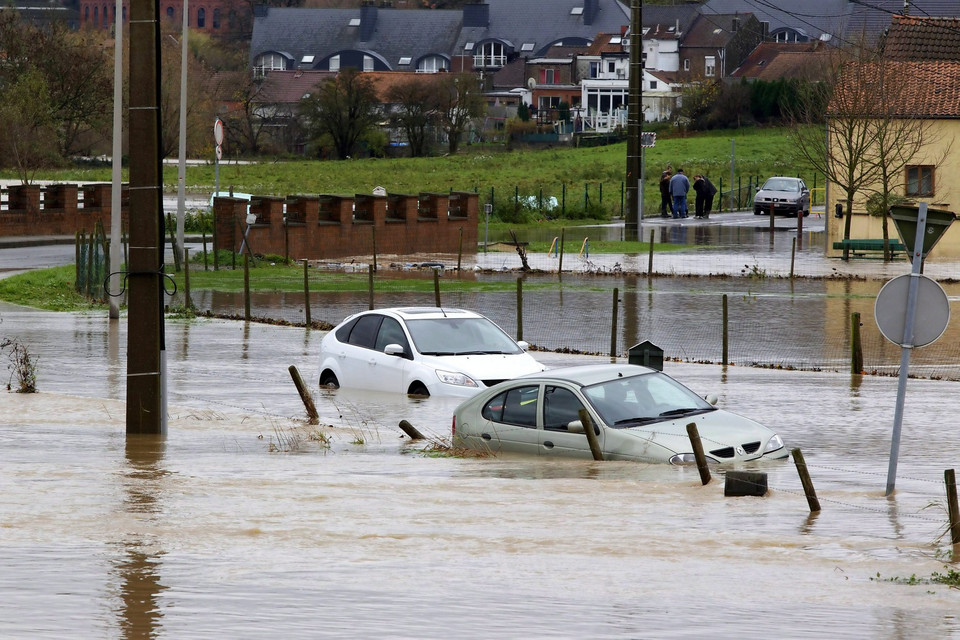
548, 444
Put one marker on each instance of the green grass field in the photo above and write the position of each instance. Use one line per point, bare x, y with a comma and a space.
565, 173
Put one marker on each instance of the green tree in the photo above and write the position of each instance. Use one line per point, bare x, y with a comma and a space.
28, 136
344, 109
414, 108
459, 101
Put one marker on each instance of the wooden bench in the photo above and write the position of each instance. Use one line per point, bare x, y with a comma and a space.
862, 246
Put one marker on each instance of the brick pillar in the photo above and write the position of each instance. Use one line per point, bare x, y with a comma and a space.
228, 215
24, 197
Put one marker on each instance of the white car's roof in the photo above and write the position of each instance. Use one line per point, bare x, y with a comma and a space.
588, 374
413, 313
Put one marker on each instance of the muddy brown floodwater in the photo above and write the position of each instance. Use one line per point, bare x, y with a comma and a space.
243, 523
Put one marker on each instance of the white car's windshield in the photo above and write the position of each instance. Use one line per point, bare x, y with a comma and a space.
459, 336
779, 184
641, 399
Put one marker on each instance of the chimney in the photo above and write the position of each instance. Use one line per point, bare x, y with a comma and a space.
476, 15
590, 8
736, 25
368, 20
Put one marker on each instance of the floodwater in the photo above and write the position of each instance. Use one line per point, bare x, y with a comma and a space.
242, 523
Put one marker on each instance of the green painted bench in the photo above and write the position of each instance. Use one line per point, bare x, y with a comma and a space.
860, 246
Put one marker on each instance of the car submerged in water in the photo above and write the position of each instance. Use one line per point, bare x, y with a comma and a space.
638, 414
429, 351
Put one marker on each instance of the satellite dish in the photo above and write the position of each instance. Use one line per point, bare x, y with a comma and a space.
531, 83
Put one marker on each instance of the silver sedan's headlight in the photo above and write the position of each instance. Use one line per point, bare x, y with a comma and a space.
689, 458
456, 379
775, 443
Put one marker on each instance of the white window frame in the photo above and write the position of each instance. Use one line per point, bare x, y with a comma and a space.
268, 62
490, 55
334, 64
709, 66
432, 64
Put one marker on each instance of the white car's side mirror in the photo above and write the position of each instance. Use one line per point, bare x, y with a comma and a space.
393, 349
712, 398
523, 344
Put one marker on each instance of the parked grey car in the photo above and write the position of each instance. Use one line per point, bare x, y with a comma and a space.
784, 196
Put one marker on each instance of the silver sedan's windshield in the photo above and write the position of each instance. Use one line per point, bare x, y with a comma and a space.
779, 184
459, 336
642, 399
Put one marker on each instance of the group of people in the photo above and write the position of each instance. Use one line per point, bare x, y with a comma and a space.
674, 188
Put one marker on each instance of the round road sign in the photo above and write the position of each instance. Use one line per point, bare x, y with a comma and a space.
931, 315
218, 132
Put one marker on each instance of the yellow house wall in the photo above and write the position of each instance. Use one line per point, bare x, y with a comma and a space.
946, 137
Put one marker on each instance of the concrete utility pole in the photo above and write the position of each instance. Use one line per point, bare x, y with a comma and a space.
146, 405
634, 124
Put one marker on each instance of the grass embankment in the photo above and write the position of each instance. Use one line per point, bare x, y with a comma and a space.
757, 152
51, 289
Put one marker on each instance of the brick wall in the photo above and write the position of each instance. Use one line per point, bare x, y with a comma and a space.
60, 209
328, 226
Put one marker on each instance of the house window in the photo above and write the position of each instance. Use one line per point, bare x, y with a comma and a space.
611, 66
920, 181
368, 63
201, 18
490, 54
269, 62
432, 64
686, 64
169, 13
653, 85
216, 18
594, 69
549, 76
709, 66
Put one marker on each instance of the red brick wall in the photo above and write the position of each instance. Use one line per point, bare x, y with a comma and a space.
329, 227
30, 210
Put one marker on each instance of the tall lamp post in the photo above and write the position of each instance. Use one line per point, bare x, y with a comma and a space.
634, 121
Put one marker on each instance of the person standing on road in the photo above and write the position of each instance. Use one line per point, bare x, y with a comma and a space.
666, 202
705, 193
679, 188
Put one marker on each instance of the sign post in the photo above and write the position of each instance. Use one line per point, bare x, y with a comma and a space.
891, 299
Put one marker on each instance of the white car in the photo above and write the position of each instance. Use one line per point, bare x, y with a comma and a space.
782, 196
638, 414
423, 351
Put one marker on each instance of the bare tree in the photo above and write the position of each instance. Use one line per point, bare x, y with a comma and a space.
840, 148
415, 109
344, 109
459, 101
902, 131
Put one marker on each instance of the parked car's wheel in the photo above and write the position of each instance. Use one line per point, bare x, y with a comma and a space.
418, 389
329, 379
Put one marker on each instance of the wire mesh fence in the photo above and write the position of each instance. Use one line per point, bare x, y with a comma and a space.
802, 324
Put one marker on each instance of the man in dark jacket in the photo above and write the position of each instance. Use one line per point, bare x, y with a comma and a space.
705, 193
665, 200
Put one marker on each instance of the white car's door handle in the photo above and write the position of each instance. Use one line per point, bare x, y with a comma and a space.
486, 436
372, 362
547, 444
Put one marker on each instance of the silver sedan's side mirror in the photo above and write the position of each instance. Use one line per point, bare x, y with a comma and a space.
575, 427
